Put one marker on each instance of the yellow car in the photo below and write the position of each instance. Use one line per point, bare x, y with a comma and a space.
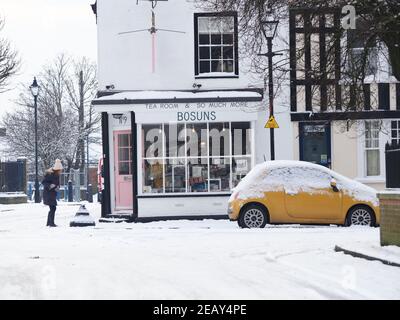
302, 193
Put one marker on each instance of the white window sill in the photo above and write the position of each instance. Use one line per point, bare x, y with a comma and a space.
217, 75
371, 179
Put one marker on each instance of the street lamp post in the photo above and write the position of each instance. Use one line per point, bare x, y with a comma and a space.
35, 93
269, 31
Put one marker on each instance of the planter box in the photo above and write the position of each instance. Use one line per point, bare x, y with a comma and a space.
390, 217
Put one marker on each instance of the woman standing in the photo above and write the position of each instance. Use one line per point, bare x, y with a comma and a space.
51, 184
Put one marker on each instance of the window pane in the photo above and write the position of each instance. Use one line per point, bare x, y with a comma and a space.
204, 39
152, 141
123, 154
216, 66
175, 176
216, 53
228, 53
204, 52
368, 134
175, 140
228, 66
228, 24
299, 19
215, 25
123, 140
196, 139
220, 174
240, 168
203, 24
227, 38
153, 176
198, 175
124, 168
241, 134
373, 163
204, 66
329, 20
216, 39
219, 139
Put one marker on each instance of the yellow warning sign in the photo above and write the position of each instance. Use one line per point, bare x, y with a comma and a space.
272, 124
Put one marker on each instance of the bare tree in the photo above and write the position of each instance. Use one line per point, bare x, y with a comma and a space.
9, 61
378, 28
81, 85
59, 129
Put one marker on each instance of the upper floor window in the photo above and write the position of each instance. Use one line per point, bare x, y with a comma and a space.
216, 49
395, 131
372, 149
362, 51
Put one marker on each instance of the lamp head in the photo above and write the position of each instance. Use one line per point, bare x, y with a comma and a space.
269, 28
34, 88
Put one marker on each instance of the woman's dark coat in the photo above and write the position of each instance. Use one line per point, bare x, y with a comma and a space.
50, 193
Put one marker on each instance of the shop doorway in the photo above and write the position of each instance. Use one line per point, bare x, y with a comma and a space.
315, 143
123, 170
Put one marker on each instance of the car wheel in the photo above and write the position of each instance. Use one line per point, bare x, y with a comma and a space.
253, 216
360, 216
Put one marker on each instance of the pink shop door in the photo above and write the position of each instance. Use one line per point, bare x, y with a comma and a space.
123, 170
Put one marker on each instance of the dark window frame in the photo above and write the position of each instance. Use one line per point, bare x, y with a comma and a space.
322, 30
233, 14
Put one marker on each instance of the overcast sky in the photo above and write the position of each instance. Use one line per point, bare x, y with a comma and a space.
42, 29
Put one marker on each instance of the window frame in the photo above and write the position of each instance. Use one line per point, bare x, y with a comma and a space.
235, 73
397, 130
365, 149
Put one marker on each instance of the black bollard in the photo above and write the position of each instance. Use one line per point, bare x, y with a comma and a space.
70, 192
89, 193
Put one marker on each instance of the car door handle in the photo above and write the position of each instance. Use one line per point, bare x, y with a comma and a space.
291, 193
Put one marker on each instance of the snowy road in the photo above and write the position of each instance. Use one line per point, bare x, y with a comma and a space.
182, 260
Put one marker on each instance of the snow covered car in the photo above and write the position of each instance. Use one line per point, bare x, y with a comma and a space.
303, 193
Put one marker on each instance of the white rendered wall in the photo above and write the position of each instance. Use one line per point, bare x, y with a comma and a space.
125, 61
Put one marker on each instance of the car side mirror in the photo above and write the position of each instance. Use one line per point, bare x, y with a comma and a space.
334, 185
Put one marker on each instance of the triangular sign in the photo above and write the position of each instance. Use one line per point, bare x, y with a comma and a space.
272, 124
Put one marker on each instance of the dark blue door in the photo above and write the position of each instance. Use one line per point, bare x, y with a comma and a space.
315, 143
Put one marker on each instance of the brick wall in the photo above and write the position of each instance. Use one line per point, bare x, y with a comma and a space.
390, 218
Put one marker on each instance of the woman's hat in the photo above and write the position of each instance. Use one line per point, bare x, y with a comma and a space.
58, 165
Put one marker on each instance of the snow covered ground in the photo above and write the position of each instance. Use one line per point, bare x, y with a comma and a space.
183, 260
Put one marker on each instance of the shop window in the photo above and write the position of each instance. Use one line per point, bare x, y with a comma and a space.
199, 157
220, 174
196, 145
198, 175
395, 132
175, 140
241, 138
372, 151
216, 44
153, 176
175, 176
153, 143
219, 139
